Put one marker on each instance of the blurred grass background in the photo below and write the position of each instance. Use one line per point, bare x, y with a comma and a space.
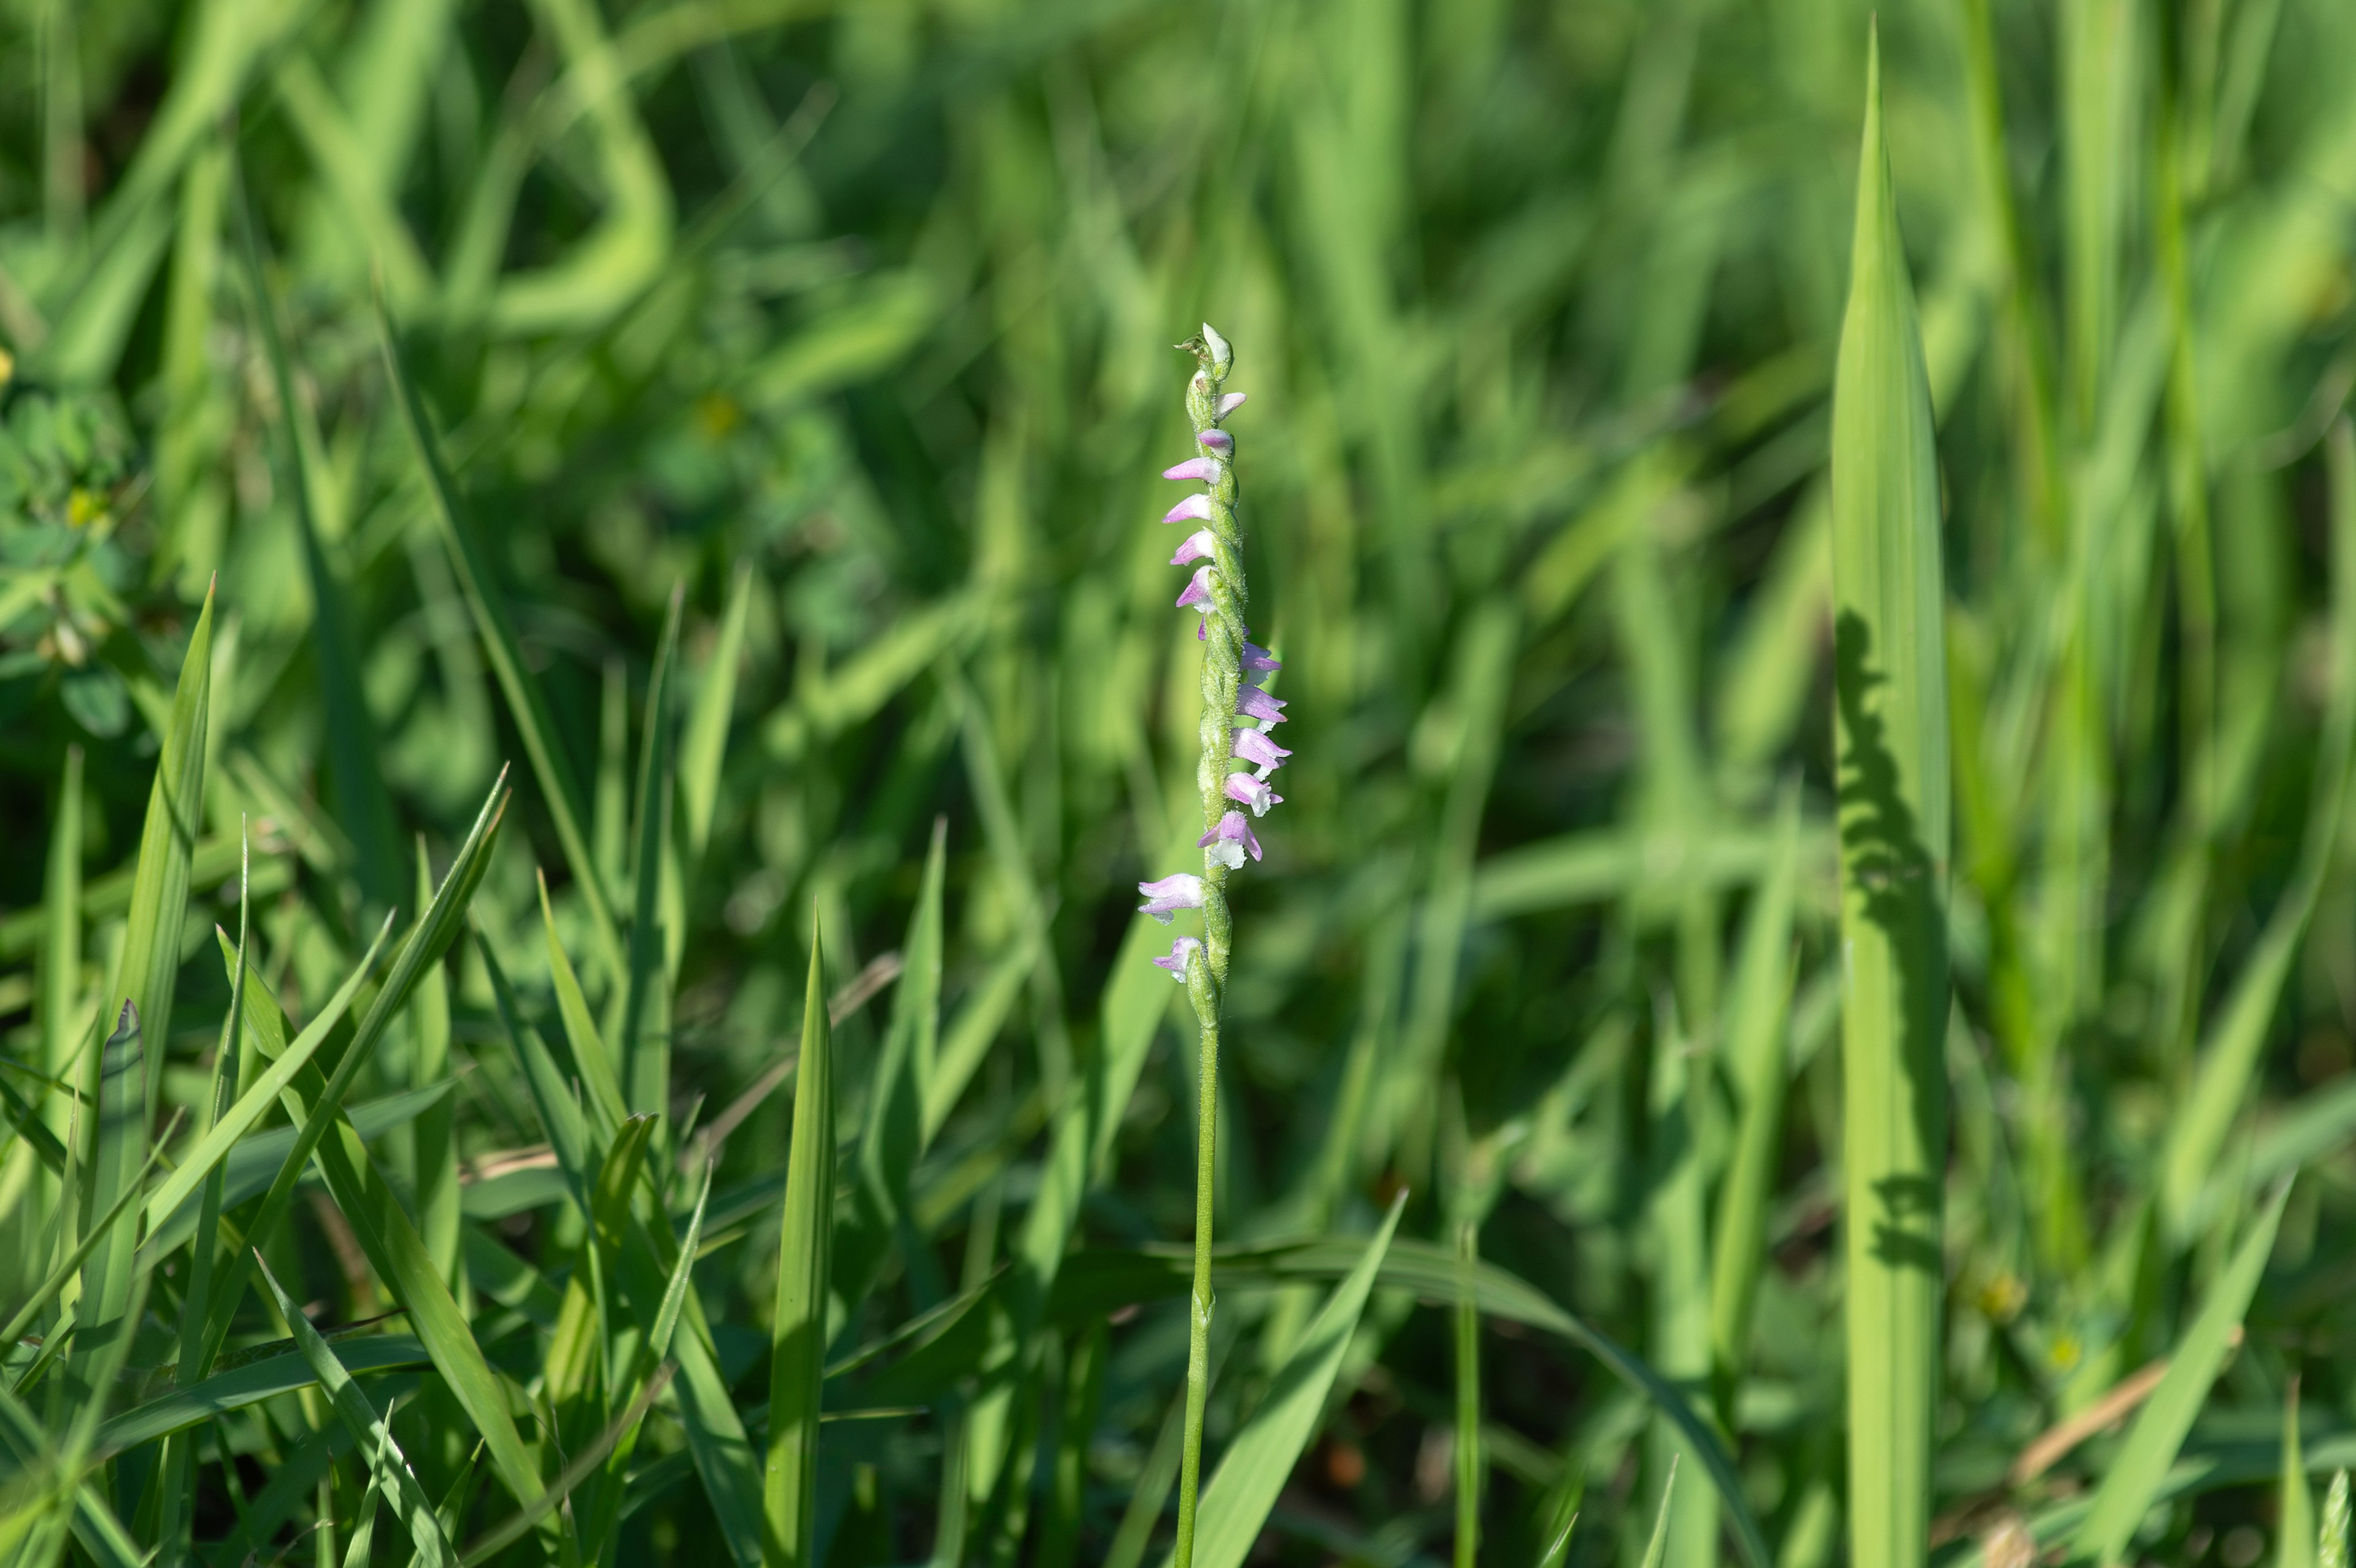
851, 325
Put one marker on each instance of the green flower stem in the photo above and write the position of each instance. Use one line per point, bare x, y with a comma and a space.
1206, 976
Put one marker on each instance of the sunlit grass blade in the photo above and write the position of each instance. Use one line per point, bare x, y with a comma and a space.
255, 1103
600, 1078
2331, 1535
433, 1148
797, 1332
1890, 706
1656, 1548
47, 1291
117, 1078
369, 1430
2142, 1462
1259, 1459
381, 1226
2296, 1529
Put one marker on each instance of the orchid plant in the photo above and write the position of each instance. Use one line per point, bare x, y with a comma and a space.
1237, 756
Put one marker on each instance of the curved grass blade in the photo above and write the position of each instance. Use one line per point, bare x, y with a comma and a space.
2142, 1463
586, 1463
279, 1370
797, 1333
1889, 686
371, 1431
1258, 1463
1091, 1284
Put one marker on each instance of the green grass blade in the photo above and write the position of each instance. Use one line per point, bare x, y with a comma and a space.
433, 1147
2160, 1429
797, 1332
1890, 706
47, 1291
386, 1461
2296, 1532
1260, 1458
1656, 1548
1756, 1030
607, 1102
387, 1237
256, 1100
495, 625
60, 951
118, 1080
277, 1371
705, 745
363, 810
119, 1156
644, 1040
2331, 1535
968, 1038
1469, 1466
500, 1537
892, 1139
560, 1116
2229, 1060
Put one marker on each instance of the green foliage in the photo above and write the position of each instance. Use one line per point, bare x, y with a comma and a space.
1719, 618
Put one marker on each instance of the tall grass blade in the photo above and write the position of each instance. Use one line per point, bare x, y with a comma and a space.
1891, 708
2297, 1531
433, 1148
117, 1079
644, 1040
386, 1461
2229, 1059
2142, 1463
1260, 1457
797, 1333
